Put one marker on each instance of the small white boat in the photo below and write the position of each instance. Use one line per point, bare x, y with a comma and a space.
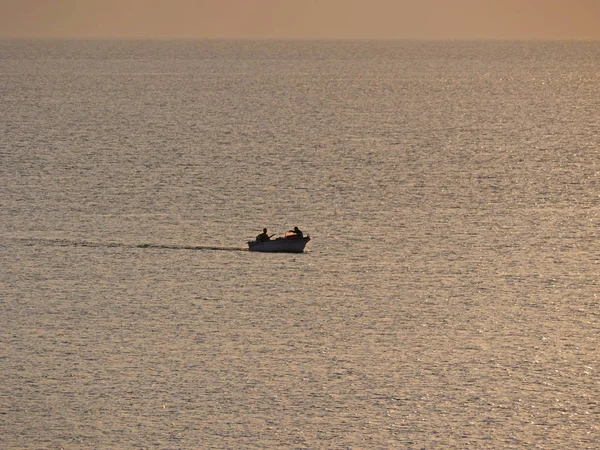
290, 243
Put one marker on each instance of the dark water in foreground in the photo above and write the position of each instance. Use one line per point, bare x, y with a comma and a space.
449, 297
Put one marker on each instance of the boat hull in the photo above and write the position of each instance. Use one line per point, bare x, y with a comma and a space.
279, 245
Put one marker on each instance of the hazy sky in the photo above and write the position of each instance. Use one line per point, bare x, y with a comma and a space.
329, 19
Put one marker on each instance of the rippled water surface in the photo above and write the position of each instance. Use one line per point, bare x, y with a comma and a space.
449, 297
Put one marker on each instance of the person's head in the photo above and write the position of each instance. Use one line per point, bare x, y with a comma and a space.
265, 230
296, 229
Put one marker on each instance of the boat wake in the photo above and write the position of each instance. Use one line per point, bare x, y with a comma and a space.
77, 243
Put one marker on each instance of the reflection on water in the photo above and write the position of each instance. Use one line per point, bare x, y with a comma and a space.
450, 295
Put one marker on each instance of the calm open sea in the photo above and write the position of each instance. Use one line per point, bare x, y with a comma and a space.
450, 297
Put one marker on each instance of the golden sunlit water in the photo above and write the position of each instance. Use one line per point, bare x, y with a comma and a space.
449, 294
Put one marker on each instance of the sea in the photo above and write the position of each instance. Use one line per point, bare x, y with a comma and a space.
449, 297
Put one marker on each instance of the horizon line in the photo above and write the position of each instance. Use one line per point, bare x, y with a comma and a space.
298, 38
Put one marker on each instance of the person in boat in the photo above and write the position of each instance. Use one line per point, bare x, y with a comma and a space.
297, 232
264, 236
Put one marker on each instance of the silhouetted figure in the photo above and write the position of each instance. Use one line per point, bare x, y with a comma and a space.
297, 232
262, 237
